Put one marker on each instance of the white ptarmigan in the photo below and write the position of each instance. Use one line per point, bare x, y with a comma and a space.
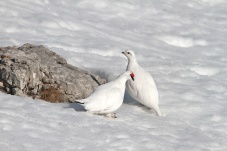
108, 97
143, 89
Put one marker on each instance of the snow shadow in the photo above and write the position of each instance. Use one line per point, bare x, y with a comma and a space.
132, 102
104, 74
75, 106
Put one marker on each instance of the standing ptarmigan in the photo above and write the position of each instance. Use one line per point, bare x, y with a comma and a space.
108, 97
143, 89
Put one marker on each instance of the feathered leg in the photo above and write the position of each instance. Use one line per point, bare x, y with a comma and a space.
111, 115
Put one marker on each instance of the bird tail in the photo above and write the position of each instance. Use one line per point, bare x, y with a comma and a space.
77, 101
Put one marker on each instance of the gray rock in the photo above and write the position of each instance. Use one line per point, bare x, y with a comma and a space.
38, 72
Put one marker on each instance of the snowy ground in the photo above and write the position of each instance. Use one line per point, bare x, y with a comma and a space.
181, 43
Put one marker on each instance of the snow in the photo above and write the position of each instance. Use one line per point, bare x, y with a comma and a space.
181, 43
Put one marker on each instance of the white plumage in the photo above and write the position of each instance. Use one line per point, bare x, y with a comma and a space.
143, 89
108, 97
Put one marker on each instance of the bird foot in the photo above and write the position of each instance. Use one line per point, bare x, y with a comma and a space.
113, 115
161, 114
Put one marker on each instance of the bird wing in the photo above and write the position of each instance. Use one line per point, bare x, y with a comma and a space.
106, 98
143, 88
101, 90
102, 100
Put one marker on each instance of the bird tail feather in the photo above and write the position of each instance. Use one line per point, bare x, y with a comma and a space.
77, 101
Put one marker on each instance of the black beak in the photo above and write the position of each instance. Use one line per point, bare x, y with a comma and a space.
132, 78
123, 52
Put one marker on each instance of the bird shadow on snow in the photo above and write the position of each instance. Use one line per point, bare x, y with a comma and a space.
132, 102
129, 100
76, 107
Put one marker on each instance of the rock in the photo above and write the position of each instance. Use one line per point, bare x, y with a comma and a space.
38, 72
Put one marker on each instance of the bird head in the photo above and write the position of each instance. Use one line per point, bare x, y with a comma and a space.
129, 54
128, 75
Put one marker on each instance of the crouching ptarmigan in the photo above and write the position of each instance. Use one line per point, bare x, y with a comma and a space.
108, 97
143, 89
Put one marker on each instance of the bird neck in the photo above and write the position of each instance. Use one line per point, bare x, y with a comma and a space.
122, 79
131, 63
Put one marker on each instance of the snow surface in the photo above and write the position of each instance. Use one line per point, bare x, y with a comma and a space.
181, 43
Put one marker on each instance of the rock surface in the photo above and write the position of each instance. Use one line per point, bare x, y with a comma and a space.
35, 71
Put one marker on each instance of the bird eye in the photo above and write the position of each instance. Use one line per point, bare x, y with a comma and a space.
128, 53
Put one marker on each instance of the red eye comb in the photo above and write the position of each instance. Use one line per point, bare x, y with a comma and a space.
132, 74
